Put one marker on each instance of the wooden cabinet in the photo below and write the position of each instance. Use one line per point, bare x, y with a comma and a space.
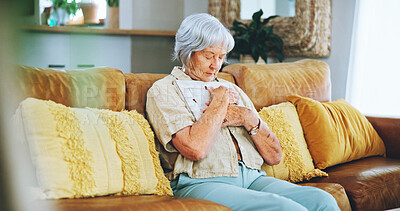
100, 50
75, 51
84, 47
44, 50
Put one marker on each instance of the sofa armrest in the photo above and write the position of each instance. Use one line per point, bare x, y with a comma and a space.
389, 130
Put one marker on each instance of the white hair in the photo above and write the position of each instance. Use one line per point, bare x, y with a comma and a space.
200, 31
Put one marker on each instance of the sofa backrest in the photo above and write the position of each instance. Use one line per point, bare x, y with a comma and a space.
138, 84
109, 88
270, 84
101, 87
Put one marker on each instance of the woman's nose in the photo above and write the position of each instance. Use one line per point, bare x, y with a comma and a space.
216, 63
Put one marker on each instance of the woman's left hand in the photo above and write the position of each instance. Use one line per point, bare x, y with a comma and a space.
266, 142
238, 116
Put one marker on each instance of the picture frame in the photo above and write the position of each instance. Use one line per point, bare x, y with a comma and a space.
307, 34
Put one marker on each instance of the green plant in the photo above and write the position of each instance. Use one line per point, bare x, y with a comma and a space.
256, 38
70, 6
113, 3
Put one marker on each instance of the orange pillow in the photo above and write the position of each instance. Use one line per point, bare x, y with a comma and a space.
336, 132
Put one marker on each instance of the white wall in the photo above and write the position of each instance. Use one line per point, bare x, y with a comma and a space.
195, 6
152, 54
151, 14
338, 60
158, 14
342, 27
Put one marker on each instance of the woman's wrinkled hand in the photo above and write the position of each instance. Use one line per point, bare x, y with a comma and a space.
235, 116
220, 93
233, 97
224, 94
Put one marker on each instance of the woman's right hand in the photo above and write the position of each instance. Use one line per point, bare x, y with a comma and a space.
195, 141
223, 93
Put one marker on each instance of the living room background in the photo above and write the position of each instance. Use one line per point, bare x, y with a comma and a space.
143, 51
166, 15
149, 14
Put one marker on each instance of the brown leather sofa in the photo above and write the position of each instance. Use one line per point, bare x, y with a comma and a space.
367, 184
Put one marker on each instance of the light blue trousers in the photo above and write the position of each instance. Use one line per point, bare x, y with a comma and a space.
252, 190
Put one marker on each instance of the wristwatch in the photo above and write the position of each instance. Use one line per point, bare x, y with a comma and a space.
255, 129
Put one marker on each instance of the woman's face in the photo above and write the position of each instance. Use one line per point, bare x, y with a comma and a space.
205, 64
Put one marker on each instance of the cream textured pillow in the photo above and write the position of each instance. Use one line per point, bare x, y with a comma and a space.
296, 164
86, 152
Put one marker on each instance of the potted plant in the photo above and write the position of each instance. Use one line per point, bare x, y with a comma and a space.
112, 20
113, 3
62, 10
256, 38
89, 9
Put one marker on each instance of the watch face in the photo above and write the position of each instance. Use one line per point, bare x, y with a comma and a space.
254, 131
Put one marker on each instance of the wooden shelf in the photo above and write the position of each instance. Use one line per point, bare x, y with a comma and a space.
93, 30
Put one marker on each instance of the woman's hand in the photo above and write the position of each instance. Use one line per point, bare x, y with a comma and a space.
234, 116
239, 116
224, 93
233, 97
194, 142
266, 142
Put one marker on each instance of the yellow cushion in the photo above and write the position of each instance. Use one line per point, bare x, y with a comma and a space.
85, 152
336, 132
296, 163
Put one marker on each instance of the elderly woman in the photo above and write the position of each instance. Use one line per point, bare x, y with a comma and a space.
219, 156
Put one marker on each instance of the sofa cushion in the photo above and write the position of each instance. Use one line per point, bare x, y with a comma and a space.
117, 203
101, 87
226, 77
137, 85
370, 183
336, 190
269, 84
389, 130
296, 164
85, 152
336, 132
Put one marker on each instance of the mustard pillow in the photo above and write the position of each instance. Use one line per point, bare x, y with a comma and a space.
86, 152
296, 164
336, 132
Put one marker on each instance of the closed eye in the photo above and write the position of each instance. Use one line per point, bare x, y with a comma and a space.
208, 56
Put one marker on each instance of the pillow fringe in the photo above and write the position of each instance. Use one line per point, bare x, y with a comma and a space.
75, 152
315, 173
163, 186
124, 150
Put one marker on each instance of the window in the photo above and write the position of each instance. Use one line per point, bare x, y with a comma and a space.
373, 84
